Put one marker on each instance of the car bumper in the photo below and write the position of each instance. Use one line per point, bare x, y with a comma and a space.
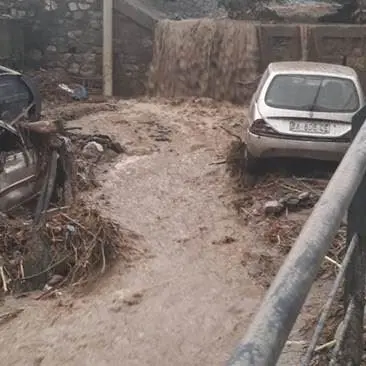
272, 147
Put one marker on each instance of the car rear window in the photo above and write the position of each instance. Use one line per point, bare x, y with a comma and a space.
312, 93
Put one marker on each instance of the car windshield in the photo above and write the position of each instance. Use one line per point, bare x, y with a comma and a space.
312, 93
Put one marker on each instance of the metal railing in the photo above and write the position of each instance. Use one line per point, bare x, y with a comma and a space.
270, 329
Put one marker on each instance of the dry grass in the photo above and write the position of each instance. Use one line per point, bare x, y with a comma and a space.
78, 242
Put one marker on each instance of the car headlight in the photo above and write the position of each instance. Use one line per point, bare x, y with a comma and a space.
261, 127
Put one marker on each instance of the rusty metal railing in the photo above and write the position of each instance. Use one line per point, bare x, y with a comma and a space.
270, 329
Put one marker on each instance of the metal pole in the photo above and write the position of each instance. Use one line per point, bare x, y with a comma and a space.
329, 303
354, 289
271, 326
346, 323
108, 48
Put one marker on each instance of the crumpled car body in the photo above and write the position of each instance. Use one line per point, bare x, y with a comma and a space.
19, 100
17, 181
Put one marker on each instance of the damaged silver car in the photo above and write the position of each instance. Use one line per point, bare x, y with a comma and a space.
19, 101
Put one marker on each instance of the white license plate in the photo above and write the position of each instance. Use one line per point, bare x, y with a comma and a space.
319, 128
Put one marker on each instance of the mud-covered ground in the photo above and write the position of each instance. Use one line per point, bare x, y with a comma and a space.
190, 297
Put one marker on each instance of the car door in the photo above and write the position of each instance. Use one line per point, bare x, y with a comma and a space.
17, 175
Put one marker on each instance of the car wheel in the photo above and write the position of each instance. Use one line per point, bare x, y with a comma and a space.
251, 163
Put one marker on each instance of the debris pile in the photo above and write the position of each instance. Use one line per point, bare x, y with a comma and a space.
88, 151
54, 237
47, 82
276, 206
77, 243
276, 195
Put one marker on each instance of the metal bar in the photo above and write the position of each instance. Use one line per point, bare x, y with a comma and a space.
328, 304
353, 347
354, 284
271, 326
351, 308
15, 185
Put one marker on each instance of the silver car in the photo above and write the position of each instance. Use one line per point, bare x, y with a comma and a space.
19, 99
302, 110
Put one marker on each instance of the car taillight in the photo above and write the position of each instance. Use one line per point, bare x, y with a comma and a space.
260, 127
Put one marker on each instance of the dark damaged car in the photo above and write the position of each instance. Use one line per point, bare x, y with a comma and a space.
19, 101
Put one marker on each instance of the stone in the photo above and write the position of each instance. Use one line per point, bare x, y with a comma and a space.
55, 280
87, 72
78, 15
84, 6
117, 148
273, 207
75, 34
95, 24
36, 55
50, 5
96, 14
74, 68
134, 299
93, 150
304, 196
73, 6
292, 202
89, 57
66, 57
51, 48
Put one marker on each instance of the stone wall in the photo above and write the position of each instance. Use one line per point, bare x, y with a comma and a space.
11, 43
132, 55
184, 9
60, 34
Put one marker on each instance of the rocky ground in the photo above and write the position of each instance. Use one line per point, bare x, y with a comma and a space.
208, 245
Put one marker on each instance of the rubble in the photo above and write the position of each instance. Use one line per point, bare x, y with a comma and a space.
57, 238
93, 150
276, 205
273, 207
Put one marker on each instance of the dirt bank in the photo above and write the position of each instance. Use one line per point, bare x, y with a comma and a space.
190, 297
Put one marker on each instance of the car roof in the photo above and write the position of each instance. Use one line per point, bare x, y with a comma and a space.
314, 68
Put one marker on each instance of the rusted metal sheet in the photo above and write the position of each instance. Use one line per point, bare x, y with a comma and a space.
279, 43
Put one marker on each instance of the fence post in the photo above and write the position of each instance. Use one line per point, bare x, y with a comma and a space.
352, 349
108, 48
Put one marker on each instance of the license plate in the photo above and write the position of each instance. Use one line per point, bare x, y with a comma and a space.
318, 128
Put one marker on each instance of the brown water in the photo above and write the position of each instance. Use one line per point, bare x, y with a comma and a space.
206, 57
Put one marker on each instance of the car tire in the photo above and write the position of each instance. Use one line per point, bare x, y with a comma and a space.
251, 163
